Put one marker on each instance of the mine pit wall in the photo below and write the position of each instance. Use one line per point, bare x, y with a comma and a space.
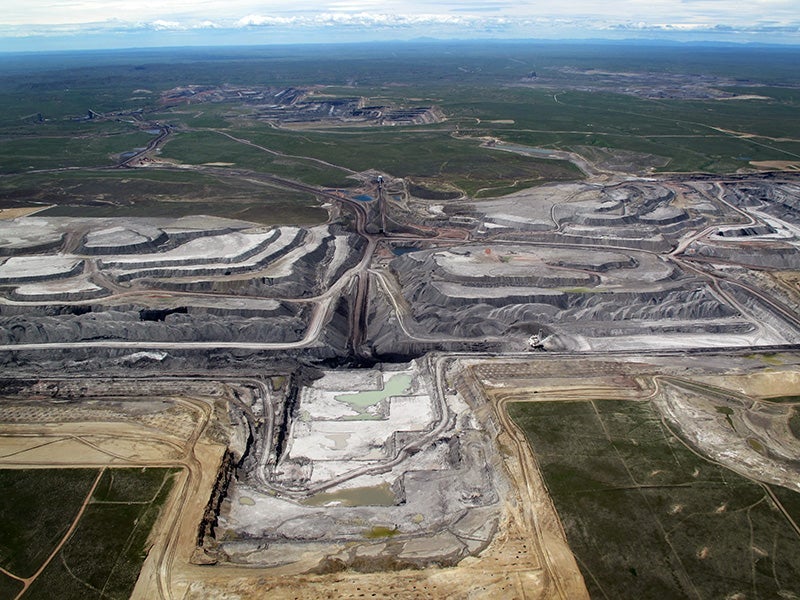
179, 237
651, 201
674, 230
433, 296
146, 269
615, 329
291, 405
55, 297
602, 221
657, 244
127, 326
745, 232
145, 247
411, 271
468, 387
765, 255
33, 248
304, 280
150, 367
285, 404
764, 314
630, 263
152, 265
134, 310
543, 281
357, 246
205, 529
620, 301
667, 221
109, 386
388, 343
74, 271
336, 335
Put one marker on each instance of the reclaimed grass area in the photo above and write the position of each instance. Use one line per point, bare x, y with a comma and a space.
159, 193
682, 132
77, 148
103, 557
648, 518
790, 501
104, 554
9, 587
431, 155
36, 509
199, 147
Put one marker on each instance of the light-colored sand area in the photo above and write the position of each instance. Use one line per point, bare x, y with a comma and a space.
777, 165
13, 213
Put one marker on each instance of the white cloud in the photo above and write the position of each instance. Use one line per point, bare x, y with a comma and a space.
161, 25
447, 18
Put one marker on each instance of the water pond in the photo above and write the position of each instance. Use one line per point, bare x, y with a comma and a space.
396, 386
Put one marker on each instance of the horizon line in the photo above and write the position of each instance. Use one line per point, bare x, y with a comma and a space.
650, 41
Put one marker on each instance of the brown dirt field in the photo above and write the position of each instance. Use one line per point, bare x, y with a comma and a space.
13, 213
759, 385
790, 280
528, 558
777, 165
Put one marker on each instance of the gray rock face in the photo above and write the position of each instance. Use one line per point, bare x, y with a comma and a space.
29, 235
285, 324
120, 240
507, 292
775, 255
147, 281
571, 262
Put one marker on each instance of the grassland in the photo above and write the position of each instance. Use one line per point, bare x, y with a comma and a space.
78, 148
685, 133
481, 89
648, 518
159, 193
429, 155
9, 588
102, 557
199, 147
36, 509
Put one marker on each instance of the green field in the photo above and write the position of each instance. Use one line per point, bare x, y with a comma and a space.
160, 193
102, 557
429, 155
199, 147
648, 518
76, 149
476, 86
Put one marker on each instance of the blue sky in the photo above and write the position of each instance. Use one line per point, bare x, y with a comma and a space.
76, 24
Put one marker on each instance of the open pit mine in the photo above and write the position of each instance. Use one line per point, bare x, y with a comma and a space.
334, 395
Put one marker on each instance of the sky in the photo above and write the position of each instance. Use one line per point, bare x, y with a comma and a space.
30, 25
